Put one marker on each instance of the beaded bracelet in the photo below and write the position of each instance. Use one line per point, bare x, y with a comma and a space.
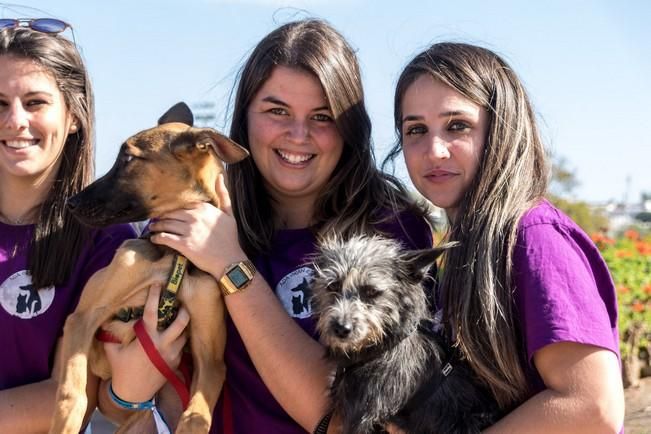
147, 405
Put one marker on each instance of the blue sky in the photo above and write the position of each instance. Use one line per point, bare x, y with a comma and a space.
586, 65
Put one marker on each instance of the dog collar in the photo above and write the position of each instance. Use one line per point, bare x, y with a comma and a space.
168, 304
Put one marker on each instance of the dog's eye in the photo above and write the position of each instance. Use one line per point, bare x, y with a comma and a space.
369, 291
333, 287
127, 158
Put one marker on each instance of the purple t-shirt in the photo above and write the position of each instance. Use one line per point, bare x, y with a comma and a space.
288, 272
31, 319
563, 289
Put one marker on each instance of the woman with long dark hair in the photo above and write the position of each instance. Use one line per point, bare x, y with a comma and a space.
300, 111
46, 257
526, 297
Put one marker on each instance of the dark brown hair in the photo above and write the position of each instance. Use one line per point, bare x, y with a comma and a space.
512, 176
58, 238
357, 191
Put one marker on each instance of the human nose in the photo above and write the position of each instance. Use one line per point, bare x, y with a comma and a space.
439, 149
298, 130
15, 117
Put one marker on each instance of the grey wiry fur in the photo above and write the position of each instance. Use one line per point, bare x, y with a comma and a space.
371, 310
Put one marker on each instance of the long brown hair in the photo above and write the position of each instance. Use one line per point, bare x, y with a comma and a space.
357, 192
512, 176
58, 238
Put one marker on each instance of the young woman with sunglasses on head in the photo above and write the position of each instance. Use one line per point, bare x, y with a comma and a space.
526, 297
300, 111
46, 257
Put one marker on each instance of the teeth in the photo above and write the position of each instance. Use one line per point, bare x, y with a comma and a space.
19, 144
294, 158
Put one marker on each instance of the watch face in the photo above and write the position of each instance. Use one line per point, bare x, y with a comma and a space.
237, 276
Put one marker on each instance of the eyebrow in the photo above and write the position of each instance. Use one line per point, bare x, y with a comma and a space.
447, 114
34, 93
274, 100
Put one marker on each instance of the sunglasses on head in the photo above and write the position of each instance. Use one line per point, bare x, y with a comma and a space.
43, 25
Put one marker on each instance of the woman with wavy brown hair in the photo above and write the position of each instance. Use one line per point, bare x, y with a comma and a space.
300, 111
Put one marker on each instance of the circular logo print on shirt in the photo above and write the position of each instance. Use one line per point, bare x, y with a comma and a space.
295, 293
19, 298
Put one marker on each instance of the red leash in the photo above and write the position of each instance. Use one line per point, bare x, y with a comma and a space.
166, 309
104, 336
155, 357
185, 367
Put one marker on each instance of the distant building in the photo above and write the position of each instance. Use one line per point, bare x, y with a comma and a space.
623, 215
205, 114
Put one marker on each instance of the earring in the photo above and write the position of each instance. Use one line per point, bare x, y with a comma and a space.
73, 128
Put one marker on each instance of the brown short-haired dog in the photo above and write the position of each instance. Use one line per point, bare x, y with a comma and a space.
157, 170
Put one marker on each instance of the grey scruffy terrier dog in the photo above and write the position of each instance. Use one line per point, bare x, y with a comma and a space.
374, 319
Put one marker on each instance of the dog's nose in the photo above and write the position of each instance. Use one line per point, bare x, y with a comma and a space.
342, 330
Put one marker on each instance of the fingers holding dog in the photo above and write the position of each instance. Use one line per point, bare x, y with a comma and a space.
168, 342
135, 378
150, 313
184, 227
203, 233
176, 334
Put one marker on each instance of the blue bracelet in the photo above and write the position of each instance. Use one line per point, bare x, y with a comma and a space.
147, 405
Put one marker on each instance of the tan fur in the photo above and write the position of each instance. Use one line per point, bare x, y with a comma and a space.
167, 184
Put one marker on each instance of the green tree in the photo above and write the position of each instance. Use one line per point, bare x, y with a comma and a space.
643, 216
562, 186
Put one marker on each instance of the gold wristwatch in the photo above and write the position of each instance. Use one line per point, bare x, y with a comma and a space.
236, 277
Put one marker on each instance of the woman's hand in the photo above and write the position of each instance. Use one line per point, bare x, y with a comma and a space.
206, 235
134, 377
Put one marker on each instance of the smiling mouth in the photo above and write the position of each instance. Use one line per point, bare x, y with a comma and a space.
19, 144
294, 158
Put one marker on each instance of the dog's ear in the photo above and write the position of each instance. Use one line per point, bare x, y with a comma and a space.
179, 112
226, 149
420, 261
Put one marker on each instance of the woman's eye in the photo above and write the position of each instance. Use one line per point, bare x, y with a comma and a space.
458, 126
35, 103
320, 117
415, 130
278, 111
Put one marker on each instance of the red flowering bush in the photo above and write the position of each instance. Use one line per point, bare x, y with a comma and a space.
629, 261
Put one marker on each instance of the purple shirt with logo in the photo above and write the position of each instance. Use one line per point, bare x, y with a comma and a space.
32, 319
288, 272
